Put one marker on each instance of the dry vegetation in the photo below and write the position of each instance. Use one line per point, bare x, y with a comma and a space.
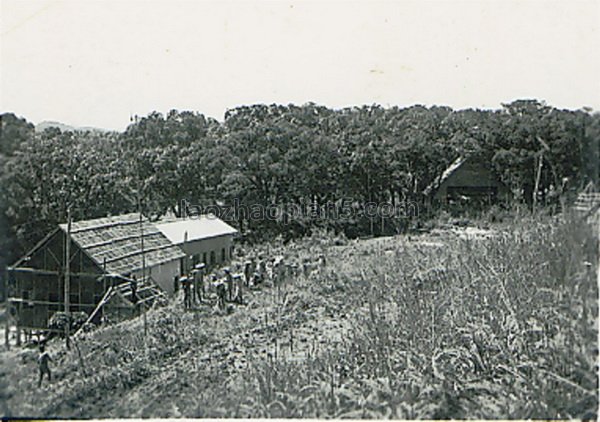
437, 326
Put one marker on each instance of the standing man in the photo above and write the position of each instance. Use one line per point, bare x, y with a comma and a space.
262, 267
247, 272
221, 291
294, 270
199, 281
322, 261
133, 287
187, 294
273, 268
175, 284
256, 278
275, 273
306, 267
43, 360
278, 271
194, 284
239, 294
229, 283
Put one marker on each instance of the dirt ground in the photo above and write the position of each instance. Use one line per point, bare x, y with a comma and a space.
190, 356
290, 324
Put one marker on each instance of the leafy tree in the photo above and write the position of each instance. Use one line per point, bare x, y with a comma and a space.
281, 155
13, 132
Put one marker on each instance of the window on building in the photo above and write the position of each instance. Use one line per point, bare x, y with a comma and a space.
223, 256
231, 252
204, 259
213, 258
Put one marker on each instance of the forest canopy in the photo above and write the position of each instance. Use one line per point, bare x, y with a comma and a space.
279, 155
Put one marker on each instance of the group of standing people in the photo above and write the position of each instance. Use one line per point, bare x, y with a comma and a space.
192, 285
278, 269
229, 288
231, 285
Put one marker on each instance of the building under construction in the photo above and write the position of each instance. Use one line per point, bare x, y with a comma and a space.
105, 255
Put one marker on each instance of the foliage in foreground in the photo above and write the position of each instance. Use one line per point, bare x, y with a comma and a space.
446, 327
59, 320
504, 328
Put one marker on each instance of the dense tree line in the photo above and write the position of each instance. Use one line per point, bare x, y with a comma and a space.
275, 155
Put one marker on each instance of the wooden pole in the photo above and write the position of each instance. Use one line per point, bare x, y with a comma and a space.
186, 263
143, 269
68, 279
18, 307
537, 178
8, 308
103, 284
597, 218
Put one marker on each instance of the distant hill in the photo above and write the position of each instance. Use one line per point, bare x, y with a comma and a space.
40, 127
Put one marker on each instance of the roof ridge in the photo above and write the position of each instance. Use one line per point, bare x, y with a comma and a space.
108, 222
111, 241
451, 168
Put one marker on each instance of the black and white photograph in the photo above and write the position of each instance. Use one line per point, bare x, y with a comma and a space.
299, 209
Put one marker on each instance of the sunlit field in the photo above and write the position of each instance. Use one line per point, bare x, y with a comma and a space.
500, 323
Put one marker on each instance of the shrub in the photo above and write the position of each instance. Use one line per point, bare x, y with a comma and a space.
59, 320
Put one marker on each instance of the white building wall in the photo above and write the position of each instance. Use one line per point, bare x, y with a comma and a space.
163, 274
204, 247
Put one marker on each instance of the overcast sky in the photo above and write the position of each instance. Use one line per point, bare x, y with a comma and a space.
95, 63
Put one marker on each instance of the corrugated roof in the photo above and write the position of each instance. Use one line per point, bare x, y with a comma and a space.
197, 228
116, 241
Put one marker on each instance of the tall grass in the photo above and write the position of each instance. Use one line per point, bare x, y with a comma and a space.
432, 327
497, 328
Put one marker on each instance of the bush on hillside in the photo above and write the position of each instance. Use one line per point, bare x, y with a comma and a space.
59, 320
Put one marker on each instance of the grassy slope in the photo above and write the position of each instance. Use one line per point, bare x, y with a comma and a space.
435, 327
